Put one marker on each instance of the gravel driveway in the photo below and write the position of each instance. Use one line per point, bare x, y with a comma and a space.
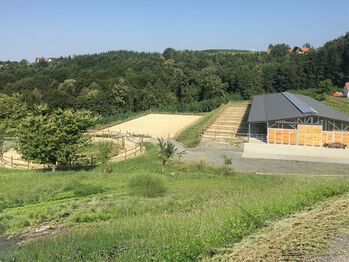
212, 153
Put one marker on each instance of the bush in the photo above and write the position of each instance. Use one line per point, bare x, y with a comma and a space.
147, 185
202, 165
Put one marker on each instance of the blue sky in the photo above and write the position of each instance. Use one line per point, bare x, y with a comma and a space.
53, 28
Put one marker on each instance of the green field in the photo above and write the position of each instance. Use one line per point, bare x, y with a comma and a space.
193, 209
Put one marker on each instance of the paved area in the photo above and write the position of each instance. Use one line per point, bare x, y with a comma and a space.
297, 153
212, 153
156, 125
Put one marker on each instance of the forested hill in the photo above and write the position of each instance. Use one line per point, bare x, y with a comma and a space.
122, 81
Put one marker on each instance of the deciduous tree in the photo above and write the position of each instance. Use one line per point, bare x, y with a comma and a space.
49, 138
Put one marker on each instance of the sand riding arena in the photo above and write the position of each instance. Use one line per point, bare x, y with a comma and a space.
156, 125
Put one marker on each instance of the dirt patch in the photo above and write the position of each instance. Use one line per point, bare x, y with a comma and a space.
156, 125
300, 237
44, 229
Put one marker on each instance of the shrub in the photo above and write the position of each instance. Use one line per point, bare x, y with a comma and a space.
147, 185
228, 161
202, 165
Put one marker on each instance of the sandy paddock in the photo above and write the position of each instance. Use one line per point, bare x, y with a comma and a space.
156, 125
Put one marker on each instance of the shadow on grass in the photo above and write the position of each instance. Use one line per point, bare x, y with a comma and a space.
75, 168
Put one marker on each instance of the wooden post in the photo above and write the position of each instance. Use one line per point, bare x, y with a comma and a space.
91, 159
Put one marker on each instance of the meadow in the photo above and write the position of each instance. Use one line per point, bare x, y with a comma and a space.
135, 213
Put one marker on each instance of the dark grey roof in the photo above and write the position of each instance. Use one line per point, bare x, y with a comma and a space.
278, 106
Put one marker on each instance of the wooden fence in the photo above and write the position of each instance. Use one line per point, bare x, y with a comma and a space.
185, 127
18, 163
89, 158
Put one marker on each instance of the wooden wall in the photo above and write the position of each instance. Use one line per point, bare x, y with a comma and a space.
309, 135
282, 136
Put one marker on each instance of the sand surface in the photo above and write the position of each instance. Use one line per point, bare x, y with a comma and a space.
156, 125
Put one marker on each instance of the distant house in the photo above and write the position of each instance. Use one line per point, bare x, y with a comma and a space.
300, 50
296, 49
47, 59
346, 90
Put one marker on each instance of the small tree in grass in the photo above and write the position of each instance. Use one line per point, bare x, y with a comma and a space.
227, 162
107, 150
166, 152
52, 137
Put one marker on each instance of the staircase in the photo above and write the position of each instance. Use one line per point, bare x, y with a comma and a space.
230, 126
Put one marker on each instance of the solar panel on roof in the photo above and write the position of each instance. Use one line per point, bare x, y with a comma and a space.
305, 109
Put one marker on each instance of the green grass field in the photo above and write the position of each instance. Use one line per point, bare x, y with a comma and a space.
193, 209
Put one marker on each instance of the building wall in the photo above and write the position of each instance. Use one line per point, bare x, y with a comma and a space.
306, 135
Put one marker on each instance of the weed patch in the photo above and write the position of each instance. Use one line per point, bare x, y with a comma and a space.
147, 185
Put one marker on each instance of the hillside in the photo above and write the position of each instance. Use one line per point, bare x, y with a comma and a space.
125, 81
135, 213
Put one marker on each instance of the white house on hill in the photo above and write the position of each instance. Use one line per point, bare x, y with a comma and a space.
346, 90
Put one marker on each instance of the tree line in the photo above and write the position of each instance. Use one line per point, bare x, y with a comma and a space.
116, 82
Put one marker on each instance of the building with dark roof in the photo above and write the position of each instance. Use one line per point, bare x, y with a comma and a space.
286, 118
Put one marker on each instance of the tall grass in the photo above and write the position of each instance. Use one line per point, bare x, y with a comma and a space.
201, 210
147, 185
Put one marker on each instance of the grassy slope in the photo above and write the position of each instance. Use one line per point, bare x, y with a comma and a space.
201, 210
189, 136
304, 236
339, 103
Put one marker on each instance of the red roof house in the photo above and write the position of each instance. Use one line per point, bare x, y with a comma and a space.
300, 50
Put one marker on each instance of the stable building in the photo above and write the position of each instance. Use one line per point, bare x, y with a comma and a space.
292, 119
